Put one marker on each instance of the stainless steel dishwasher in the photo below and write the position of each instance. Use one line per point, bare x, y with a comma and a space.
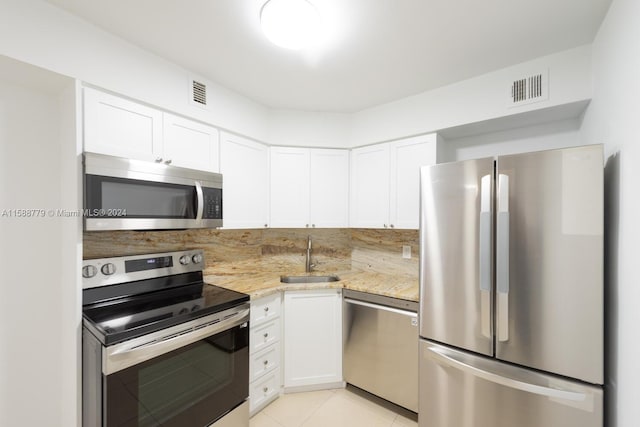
381, 346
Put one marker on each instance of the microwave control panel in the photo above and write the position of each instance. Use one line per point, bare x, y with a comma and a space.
212, 203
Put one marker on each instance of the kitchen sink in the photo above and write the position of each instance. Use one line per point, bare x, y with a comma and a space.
308, 279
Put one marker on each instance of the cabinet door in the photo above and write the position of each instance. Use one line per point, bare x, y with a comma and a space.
289, 171
407, 156
244, 166
329, 188
370, 186
190, 144
120, 127
312, 337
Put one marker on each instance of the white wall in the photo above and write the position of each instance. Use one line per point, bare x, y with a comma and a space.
613, 118
475, 100
306, 129
38, 33
547, 136
40, 305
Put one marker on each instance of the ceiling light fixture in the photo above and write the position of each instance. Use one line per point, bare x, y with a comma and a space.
291, 24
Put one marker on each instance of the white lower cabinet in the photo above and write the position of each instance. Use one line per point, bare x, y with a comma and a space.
264, 390
265, 380
312, 339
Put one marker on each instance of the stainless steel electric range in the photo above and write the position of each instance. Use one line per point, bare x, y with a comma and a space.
160, 346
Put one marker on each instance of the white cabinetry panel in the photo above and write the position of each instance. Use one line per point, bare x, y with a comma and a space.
190, 144
312, 337
385, 180
289, 170
265, 379
329, 188
407, 156
120, 127
370, 186
244, 166
309, 187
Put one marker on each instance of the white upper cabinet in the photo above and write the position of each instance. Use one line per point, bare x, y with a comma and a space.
244, 166
329, 188
309, 187
407, 156
385, 181
370, 186
119, 127
289, 170
190, 144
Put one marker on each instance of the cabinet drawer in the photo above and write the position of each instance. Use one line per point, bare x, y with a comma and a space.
264, 390
264, 335
265, 309
264, 362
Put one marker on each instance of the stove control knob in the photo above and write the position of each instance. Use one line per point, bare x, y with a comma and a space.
184, 260
197, 258
195, 308
108, 269
89, 271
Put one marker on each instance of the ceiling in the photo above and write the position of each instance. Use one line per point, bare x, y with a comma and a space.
379, 50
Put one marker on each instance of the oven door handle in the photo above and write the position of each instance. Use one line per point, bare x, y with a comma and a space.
127, 354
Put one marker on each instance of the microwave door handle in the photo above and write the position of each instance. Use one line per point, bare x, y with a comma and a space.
200, 201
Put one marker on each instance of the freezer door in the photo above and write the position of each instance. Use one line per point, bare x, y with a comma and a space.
549, 261
456, 247
464, 390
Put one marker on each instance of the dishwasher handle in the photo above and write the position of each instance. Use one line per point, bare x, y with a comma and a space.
381, 307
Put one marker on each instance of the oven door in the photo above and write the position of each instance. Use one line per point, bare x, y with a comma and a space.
180, 379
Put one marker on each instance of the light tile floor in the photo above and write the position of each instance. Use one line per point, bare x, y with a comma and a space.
332, 408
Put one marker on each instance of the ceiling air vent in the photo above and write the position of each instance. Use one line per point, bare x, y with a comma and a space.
530, 89
199, 92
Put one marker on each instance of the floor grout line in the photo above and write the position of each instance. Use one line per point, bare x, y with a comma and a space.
330, 396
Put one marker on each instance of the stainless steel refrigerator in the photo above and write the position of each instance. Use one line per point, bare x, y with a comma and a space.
511, 291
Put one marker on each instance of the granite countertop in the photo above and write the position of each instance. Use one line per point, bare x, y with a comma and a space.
260, 284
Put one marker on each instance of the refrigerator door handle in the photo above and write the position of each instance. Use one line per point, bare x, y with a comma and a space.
450, 360
502, 258
485, 255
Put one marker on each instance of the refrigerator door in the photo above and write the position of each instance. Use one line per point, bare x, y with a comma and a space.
549, 261
464, 390
456, 275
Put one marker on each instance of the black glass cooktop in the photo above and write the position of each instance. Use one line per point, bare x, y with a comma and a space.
120, 312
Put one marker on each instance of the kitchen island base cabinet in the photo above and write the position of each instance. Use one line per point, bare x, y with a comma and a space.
312, 339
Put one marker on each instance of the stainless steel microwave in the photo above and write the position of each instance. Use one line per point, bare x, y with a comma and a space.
125, 194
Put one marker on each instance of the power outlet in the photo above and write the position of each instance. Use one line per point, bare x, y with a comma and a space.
406, 252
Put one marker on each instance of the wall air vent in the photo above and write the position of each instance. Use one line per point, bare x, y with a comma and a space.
529, 89
199, 93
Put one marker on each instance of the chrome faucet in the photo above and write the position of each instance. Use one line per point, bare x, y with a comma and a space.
308, 266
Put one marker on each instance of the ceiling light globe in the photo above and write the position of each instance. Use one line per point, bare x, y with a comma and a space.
291, 24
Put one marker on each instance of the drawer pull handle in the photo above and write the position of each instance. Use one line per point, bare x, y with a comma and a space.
266, 335
266, 309
265, 390
266, 362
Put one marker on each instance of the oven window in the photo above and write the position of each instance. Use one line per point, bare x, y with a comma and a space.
141, 199
191, 386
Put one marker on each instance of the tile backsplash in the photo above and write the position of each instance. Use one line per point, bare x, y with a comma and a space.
275, 250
